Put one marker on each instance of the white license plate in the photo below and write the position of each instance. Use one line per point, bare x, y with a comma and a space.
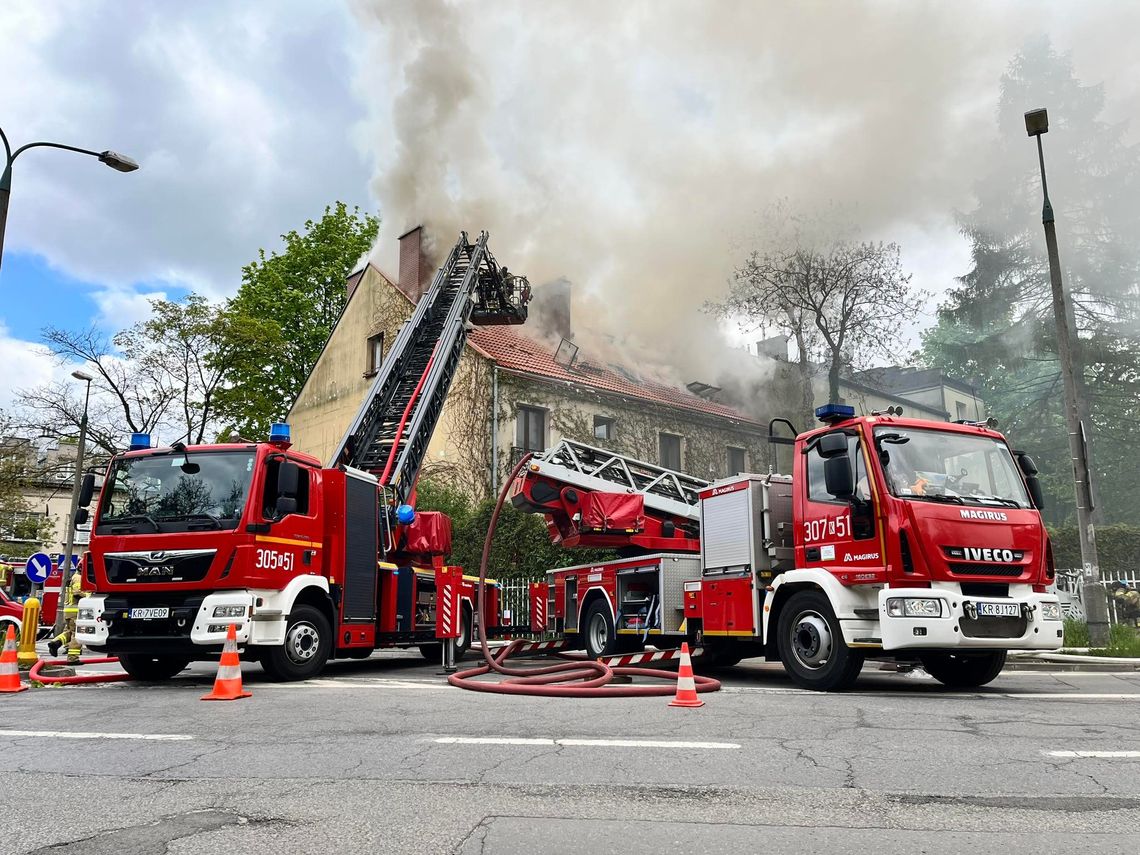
999, 610
149, 614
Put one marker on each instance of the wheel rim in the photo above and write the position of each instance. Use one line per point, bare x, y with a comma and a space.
302, 642
462, 639
811, 640
598, 633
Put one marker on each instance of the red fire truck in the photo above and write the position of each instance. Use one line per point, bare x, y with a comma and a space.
309, 561
892, 537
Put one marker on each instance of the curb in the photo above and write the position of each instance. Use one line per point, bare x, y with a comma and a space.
1031, 661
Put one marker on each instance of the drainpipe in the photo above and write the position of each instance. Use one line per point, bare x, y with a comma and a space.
494, 429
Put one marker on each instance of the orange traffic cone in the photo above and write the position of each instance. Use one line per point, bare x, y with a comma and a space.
227, 686
9, 667
686, 685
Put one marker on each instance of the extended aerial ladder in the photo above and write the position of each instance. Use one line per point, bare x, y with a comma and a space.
391, 431
595, 497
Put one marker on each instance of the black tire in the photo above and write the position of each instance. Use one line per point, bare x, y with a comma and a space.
810, 641
432, 651
964, 670
152, 669
308, 644
597, 631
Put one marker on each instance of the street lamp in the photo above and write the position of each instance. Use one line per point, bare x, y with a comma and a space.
116, 161
1093, 595
69, 547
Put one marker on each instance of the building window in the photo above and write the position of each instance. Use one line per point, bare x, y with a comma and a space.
669, 450
603, 427
531, 429
375, 354
736, 461
961, 410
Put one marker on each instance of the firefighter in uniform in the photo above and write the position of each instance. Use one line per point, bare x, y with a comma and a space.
74, 594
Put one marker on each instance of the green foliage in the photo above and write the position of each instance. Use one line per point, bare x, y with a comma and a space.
521, 548
22, 531
998, 325
1076, 633
1117, 548
275, 327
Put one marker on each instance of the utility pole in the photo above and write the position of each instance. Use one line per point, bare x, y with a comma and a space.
1093, 595
69, 547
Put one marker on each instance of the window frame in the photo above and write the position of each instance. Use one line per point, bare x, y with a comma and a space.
607, 422
521, 428
728, 449
372, 361
661, 435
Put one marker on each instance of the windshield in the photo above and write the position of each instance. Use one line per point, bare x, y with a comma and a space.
177, 492
936, 465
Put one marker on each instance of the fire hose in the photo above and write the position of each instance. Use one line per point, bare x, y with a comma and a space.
78, 679
575, 679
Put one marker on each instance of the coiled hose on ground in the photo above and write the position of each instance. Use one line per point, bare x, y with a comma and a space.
578, 679
78, 679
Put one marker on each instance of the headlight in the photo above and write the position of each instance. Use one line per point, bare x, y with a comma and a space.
1050, 611
87, 614
229, 611
914, 607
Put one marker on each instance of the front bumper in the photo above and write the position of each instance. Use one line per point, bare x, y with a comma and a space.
105, 622
960, 626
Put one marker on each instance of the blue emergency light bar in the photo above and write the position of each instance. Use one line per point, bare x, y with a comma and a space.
279, 432
834, 412
140, 441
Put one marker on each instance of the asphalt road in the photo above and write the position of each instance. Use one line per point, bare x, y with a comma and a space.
382, 756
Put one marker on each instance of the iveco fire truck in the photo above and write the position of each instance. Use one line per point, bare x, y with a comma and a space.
309, 561
893, 537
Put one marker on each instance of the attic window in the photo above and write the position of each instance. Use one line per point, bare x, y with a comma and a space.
566, 354
703, 390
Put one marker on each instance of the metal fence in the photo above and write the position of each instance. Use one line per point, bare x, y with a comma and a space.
1068, 590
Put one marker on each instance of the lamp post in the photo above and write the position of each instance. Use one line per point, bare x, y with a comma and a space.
119, 162
69, 546
1093, 596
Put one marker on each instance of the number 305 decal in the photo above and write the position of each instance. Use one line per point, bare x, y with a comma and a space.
271, 559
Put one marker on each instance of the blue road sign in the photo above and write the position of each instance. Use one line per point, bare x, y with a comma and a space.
38, 568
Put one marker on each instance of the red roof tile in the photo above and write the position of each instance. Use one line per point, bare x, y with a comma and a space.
513, 351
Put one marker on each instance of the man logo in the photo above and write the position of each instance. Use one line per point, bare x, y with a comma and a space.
158, 555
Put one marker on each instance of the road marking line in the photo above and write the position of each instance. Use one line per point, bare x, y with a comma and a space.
65, 734
599, 743
1092, 753
1070, 696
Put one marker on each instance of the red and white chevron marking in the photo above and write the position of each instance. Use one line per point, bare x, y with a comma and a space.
448, 616
644, 657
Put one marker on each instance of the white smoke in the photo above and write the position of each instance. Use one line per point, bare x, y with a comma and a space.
633, 148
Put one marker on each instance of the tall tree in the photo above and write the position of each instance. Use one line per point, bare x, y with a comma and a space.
273, 330
997, 324
22, 529
842, 304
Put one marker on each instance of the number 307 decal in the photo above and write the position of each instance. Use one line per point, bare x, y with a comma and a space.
271, 559
837, 527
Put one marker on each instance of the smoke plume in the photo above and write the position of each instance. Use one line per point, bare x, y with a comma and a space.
634, 148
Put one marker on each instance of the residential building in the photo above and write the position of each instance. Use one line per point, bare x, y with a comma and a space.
954, 398
516, 390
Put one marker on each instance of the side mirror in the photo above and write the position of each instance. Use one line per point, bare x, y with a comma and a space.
81, 516
1027, 465
87, 490
288, 478
838, 478
286, 505
832, 444
1033, 484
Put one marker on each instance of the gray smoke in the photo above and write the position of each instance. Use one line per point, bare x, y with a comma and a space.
634, 148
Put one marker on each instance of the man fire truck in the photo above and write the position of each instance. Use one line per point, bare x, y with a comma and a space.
309, 561
892, 538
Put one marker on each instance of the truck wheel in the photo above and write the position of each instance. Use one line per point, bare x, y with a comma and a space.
308, 643
811, 644
964, 670
598, 631
433, 651
152, 669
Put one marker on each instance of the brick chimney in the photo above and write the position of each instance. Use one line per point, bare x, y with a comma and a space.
415, 274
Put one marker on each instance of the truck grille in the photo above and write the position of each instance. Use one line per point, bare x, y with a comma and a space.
185, 565
992, 627
959, 569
